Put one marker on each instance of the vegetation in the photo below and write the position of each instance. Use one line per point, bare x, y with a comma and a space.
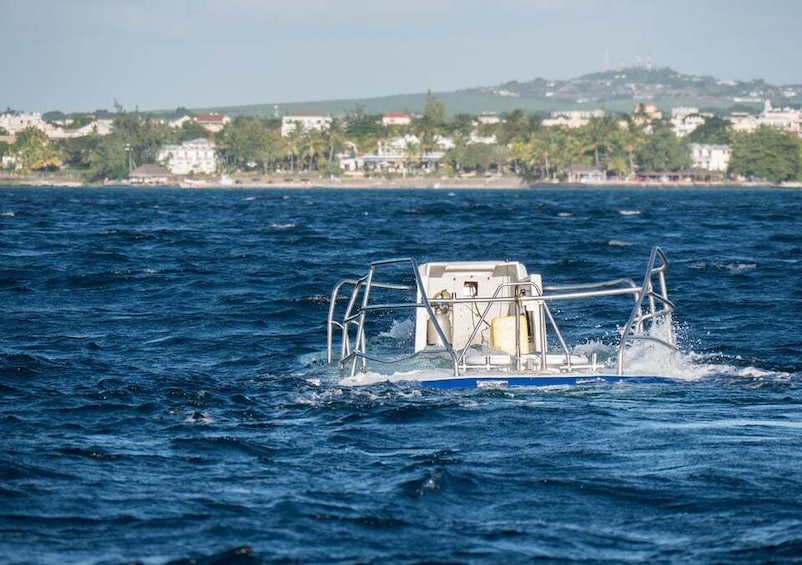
613, 89
767, 154
35, 151
621, 146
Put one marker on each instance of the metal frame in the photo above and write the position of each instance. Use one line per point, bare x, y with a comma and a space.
650, 305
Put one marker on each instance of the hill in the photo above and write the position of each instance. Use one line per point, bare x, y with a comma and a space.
615, 91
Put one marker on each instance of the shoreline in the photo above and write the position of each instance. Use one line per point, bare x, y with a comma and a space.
505, 182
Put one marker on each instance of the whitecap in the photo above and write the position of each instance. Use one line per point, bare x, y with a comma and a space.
282, 227
618, 243
199, 418
629, 212
735, 268
7, 214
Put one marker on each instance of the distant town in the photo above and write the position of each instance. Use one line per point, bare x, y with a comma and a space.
683, 144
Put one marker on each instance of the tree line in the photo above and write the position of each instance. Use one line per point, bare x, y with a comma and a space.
621, 145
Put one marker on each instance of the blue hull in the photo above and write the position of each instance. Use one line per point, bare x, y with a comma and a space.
536, 381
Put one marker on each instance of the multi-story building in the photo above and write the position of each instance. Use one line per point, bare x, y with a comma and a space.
708, 157
786, 119
304, 122
191, 157
15, 123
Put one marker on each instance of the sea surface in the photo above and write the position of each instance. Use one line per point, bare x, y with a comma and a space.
163, 397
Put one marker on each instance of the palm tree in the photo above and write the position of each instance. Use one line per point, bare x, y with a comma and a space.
313, 143
412, 154
292, 142
335, 137
630, 140
599, 133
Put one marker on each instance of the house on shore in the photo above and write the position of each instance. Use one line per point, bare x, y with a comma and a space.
710, 157
150, 175
585, 174
195, 157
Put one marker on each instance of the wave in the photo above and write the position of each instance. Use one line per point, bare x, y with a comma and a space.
734, 268
283, 227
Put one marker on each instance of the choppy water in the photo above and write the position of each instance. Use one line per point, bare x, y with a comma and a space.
157, 398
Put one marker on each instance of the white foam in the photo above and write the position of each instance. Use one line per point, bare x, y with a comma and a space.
400, 330
287, 226
629, 212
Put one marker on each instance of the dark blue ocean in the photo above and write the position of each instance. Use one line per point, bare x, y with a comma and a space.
162, 397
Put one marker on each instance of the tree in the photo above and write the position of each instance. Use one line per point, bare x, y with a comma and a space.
663, 151
434, 112
715, 131
461, 124
242, 142
517, 125
293, 144
431, 123
363, 129
599, 133
540, 155
768, 154
191, 130
335, 137
34, 151
313, 145
626, 143
412, 155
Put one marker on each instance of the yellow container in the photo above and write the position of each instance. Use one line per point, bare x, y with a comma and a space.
502, 334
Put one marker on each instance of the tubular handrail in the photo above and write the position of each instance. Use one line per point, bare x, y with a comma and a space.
655, 299
366, 284
651, 303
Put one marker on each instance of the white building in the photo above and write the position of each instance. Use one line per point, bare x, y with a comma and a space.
786, 119
213, 122
15, 123
395, 154
476, 138
572, 118
686, 124
191, 157
715, 158
396, 119
304, 122
488, 119
743, 122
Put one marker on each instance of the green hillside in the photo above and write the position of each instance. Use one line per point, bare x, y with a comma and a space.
615, 91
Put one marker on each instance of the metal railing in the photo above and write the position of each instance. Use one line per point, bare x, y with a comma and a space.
651, 304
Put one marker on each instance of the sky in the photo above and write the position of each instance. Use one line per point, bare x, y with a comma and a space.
82, 55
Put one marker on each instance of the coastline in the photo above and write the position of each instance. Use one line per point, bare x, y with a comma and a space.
499, 182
